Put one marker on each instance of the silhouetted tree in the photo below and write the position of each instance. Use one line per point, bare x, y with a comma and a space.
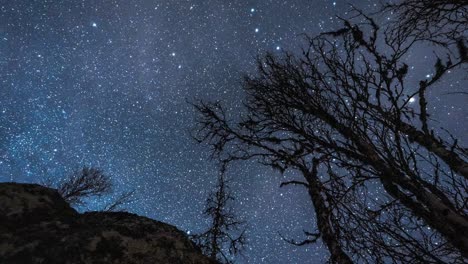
225, 237
442, 22
341, 114
90, 182
84, 183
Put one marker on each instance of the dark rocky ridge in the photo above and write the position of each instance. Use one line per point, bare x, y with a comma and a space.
38, 226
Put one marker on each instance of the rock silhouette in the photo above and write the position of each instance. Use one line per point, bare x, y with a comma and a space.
38, 226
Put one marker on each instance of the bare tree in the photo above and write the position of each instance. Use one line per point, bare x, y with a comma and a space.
84, 183
439, 21
344, 103
224, 233
90, 182
328, 228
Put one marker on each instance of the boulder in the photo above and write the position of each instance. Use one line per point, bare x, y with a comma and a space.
38, 226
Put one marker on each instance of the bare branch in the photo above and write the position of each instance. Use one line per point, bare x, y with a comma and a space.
84, 183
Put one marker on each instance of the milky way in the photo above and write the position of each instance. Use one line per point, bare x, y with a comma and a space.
106, 84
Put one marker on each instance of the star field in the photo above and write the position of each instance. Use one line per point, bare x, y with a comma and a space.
106, 84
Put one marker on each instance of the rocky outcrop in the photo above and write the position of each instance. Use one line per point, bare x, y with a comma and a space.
38, 226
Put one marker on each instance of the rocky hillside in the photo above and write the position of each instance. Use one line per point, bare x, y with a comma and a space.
38, 226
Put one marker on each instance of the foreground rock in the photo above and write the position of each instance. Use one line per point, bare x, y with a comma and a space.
38, 226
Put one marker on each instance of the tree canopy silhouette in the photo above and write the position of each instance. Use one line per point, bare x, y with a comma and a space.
342, 113
89, 182
84, 183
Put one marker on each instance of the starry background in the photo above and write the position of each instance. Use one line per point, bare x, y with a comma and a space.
106, 84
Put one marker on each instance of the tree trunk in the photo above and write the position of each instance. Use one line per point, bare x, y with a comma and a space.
437, 214
323, 215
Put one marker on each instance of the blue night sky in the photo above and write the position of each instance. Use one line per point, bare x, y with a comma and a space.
106, 83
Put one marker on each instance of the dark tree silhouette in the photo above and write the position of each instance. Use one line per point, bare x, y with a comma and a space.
225, 231
90, 182
84, 183
341, 114
438, 21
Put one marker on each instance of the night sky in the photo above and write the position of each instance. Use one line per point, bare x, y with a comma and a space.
106, 83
